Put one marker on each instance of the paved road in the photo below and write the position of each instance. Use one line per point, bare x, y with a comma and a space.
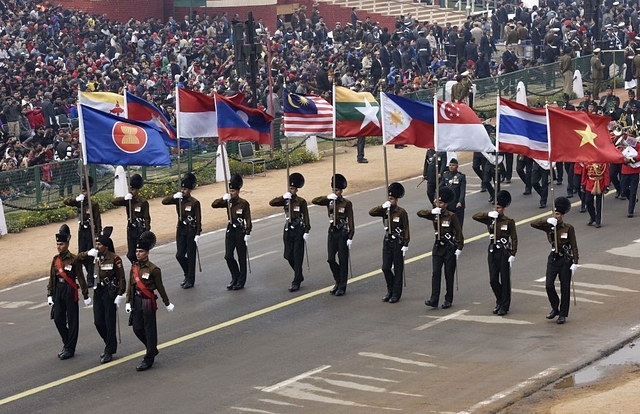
265, 350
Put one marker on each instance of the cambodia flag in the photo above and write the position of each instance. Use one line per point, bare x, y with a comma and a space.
241, 123
139, 109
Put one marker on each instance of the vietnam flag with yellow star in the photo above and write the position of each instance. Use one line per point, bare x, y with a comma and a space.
580, 137
357, 114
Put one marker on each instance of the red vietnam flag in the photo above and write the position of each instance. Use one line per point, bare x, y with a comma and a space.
580, 137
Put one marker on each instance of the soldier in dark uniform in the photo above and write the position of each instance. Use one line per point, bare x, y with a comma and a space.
540, 183
457, 181
503, 245
238, 231
62, 293
524, 167
296, 227
429, 171
144, 279
108, 295
447, 247
138, 218
396, 241
85, 240
341, 231
563, 259
188, 229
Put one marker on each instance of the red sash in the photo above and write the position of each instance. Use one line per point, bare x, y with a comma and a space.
143, 288
71, 282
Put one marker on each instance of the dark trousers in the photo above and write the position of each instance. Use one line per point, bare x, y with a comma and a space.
392, 256
65, 316
500, 275
132, 242
360, 144
67, 178
629, 186
614, 174
478, 165
594, 206
294, 250
234, 241
559, 267
443, 255
337, 244
186, 252
104, 317
577, 188
540, 182
508, 170
559, 171
524, 167
568, 167
85, 243
143, 321
459, 212
431, 191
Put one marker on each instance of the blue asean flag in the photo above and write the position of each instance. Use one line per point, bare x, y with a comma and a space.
109, 139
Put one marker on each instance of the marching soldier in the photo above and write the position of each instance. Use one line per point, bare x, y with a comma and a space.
62, 293
503, 246
108, 295
563, 259
457, 181
396, 241
138, 218
238, 231
144, 279
85, 240
296, 227
429, 172
447, 247
630, 174
341, 231
188, 228
595, 182
596, 73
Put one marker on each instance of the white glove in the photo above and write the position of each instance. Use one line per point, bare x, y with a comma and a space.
511, 260
386, 204
170, 307
349, 243
87, 302
332, 196
127, 308
287, 196
93, 252
493, 214
553, 221
305, 237
573, 268
197, 240
246, 239
50, 300
404, 249
129, 196
118, 300
178, 195
458, 253
436, 210
226, 197
80, 198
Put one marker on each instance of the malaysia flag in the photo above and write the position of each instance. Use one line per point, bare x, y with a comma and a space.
306, 115
458, 128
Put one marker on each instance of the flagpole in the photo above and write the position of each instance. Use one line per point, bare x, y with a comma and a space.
553, 190
223, 153
178, 144
496, 177
333, 180
435, 142
386, 165
271, 97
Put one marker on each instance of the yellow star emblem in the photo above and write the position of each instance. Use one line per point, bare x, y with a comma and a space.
396, 118
588, 136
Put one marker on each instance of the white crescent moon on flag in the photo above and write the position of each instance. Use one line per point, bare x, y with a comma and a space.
443, 112
291, 102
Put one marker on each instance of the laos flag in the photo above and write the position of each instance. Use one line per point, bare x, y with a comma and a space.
241, 123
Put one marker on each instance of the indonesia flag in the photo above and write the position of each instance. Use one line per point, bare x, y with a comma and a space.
196, 114
458, 128
522, 130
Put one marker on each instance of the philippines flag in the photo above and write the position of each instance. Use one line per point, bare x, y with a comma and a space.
306, 115
458, 128
522, 130
406, 121
241, 123
196, 114
139, 109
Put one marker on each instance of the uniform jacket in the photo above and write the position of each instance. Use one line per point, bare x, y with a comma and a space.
344, 212
299, 210
239, 212
506, 229
458, 183
449, 224
71, 268
596, 68
566, 236
84, 218
139, 211
399, 221
151, 277
191, 211
109, 270
595, 177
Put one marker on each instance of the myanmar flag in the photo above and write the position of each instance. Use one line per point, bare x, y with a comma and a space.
357, 114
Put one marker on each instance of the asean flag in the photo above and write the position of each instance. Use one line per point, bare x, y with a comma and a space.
241, 123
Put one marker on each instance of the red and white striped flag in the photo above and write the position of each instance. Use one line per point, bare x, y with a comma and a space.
196, 114
306, 115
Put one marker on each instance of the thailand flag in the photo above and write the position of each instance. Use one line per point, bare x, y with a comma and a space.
196, 114
522, 130
139, 109
241, 123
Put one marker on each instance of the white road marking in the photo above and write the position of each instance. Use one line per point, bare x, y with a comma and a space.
252, 410
406, 394
276, 402
584, 292
440, 320
609, 268
369, 223
24, 284
15, 305
489, 319
544, 294
345, 374
296, 378
606, 287
630, 250
40, 305
264, 254
304, 391
421, 354
396, 359
400, 370
352, 385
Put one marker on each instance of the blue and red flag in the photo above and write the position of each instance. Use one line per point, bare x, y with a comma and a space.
139, 109
108, 139
241, 123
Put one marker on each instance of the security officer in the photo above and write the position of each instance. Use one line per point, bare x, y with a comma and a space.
446, 248
144, 279
503, 245
396, 241
85, 211
595, 183
457, 181
540, 181
596, 73
138, 218
238, 231
62, 293
108, 295
296, 227
566, 69
341, 231
562, 261
188, 229
429, 172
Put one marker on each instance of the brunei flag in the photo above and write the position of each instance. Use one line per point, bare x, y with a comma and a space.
108, 102
357, 114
